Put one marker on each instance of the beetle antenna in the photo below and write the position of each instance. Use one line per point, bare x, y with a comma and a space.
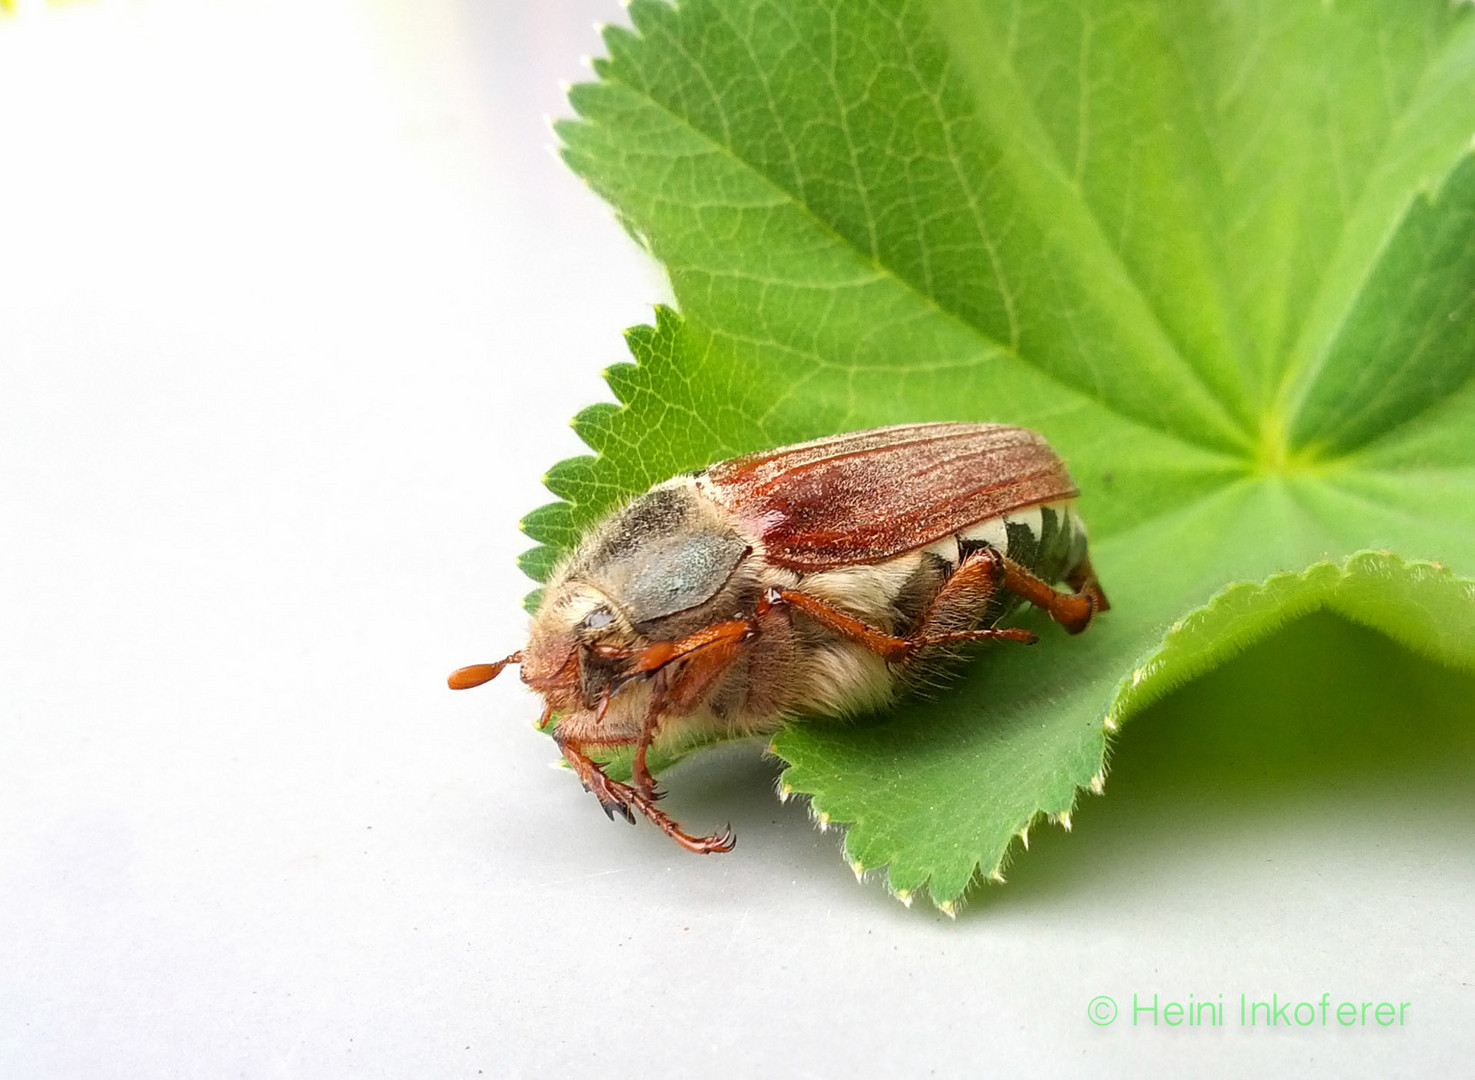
467, 677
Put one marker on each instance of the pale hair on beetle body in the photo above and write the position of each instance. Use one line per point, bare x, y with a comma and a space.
821, 579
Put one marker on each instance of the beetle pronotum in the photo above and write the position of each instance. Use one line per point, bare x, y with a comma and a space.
813, 579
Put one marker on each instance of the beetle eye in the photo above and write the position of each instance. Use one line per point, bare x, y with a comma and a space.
597, 620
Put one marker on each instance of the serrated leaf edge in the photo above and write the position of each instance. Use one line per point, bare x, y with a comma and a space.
1142, 686
604, 414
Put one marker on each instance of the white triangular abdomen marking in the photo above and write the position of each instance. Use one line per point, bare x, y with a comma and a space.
991, 532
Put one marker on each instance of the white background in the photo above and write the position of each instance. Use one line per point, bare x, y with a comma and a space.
294, 307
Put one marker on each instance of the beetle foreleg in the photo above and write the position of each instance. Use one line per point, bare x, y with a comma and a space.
616, 797
658, 654
684, 692
705, 655
639, 770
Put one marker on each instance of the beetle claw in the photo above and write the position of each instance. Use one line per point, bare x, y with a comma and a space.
615, 806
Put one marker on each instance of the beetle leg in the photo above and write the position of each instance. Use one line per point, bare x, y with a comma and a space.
707, 653
682, 693
1072, 610
639, 770
658, 654
616, 797
963, 596
990, 569
832, 618
547, 717
1083, 580
973, 574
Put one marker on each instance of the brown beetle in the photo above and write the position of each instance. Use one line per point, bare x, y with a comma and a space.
812, 579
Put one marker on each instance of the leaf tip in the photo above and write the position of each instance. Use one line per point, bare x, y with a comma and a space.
822, 820
1024, 837
784, 791
1098, 783
904, 895
948, 908
1062, 819
996, 876
859, 870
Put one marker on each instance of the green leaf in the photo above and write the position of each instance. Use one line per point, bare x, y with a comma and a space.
1223, 256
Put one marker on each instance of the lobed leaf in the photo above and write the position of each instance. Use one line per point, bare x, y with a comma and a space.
1223, 256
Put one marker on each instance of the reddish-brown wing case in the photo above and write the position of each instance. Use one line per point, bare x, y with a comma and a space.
866, 496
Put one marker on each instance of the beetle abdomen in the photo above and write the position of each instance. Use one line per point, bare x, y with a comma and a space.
1048, 540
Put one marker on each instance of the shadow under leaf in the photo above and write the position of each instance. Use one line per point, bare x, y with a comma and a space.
1325, 716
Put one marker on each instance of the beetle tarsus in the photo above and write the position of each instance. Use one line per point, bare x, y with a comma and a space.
716, 844
1007, 633
614, 796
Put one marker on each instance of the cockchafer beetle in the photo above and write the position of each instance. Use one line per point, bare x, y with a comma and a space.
815, 579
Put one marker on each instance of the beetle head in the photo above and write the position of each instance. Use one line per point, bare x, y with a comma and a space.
567, 658
578, 651
662, 556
